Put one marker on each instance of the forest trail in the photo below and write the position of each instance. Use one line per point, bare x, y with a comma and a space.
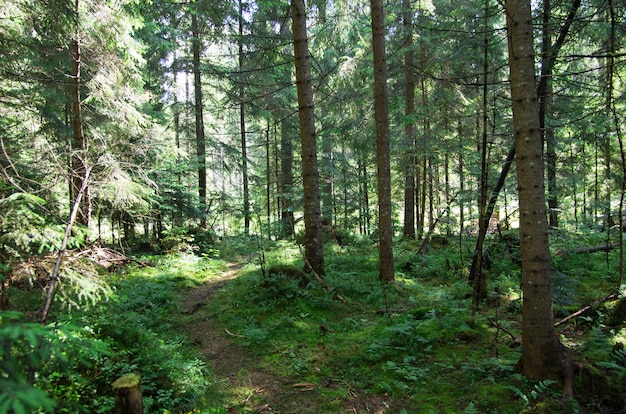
250, 386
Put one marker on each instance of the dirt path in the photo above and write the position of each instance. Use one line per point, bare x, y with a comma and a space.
249, 386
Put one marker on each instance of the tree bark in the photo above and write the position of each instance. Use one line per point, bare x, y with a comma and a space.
409, 123
286, 180
200, 138
381, 108
242, 128
543, 356
80, 144
313, 243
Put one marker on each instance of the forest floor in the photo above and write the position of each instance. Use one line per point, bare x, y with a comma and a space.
248, 384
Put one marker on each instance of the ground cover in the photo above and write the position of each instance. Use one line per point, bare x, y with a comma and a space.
239, 328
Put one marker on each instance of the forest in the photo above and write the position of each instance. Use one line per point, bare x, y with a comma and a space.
292, 206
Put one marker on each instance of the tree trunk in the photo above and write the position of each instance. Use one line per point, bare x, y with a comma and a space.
549, 53
80, 144
381, 108
200, 139
543, 356
409, 123
286, 180
242, 128
477, 277
313, 242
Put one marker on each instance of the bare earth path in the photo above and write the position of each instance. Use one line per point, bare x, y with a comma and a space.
249, 386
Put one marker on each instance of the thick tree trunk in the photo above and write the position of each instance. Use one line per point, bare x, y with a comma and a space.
543, 356
313, 243
381, 108
200, 139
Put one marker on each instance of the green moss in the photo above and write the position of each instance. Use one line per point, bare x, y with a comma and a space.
127, 381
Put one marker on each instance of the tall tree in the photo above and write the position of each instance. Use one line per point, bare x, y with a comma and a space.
410, 160
313, 243
242, 127
196, 45
543, 356
80, 143
286, 179
381, 108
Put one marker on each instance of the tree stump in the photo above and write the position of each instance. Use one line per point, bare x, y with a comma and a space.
128, 398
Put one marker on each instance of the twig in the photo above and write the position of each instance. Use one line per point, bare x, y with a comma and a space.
232, 334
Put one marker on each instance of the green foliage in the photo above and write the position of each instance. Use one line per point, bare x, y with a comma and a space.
45, 367
411, 341
26, 228
195, 240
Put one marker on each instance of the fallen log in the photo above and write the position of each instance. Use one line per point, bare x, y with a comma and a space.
588, 249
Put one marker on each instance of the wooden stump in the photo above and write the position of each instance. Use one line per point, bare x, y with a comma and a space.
127, 391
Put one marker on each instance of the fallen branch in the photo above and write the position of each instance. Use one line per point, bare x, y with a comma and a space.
588, 249
585, 309
317, 277
495, 324
57, 264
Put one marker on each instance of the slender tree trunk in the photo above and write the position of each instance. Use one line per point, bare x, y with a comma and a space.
381, 108
549, 53
409, 123
477, 276
618, 133
286, 180
242, 128
268, 182
326, 162
364, 198
80, 143
313, 243
177, 215
52, 283
200, 139
543, 356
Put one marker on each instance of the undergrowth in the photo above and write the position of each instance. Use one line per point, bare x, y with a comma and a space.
411, 346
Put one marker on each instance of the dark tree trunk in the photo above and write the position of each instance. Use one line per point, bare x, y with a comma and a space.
286, 180
200, 139
381, 108
409, 125
242, 128
313, 242
80, 144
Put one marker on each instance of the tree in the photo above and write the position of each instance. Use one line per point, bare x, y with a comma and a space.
381, 108
80, 143
196, 44
242, 127
409, 122
543, 356
313, 243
